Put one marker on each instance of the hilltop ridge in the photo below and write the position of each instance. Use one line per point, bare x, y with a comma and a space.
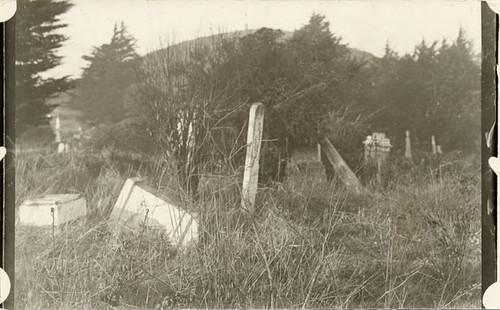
184, 46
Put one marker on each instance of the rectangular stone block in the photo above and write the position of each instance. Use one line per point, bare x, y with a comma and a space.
57, 209
136, 205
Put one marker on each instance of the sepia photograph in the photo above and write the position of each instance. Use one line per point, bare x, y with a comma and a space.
247, 154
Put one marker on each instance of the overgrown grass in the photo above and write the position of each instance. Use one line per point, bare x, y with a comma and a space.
414, 243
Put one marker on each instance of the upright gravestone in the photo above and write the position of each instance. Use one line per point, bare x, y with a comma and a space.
58, 129
61, 148
408, 146
251, 174
433, 143
377, 149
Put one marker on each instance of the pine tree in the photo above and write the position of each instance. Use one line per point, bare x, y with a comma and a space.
37, 41
320, 73
434, 91
457, 108
105, 80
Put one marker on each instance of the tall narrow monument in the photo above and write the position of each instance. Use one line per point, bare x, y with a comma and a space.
251, 174
433, 143
408, 145
58, 129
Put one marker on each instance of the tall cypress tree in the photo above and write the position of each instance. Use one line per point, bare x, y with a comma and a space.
37, 41
109, 73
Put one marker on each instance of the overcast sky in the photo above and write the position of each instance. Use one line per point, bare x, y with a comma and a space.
365, 25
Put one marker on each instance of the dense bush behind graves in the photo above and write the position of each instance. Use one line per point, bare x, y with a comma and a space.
189, 101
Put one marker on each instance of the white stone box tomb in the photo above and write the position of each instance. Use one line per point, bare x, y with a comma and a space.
54, 209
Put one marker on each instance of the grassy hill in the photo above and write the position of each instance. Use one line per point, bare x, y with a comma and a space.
182, 49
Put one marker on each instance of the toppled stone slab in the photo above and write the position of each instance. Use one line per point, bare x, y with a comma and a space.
137, 206
52, 209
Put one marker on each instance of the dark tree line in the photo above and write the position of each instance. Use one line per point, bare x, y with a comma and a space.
434, 91
110, 71
191, 100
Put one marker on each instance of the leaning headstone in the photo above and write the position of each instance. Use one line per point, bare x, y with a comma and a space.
52, 210
251, 174
339, 166
137, 206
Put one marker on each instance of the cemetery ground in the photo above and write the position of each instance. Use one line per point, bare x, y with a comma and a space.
415, 242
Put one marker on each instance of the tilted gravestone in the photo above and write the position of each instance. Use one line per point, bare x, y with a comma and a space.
340, 166
137, 206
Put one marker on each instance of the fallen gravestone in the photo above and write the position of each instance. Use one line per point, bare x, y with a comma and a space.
52, 210
137, 206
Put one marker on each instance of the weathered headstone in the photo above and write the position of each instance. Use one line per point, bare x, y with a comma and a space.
137, 206
305, 161
52, 209
58, 129
61, 147
251, 174
78, 136
433, 143
377, 149
368, 149
439, 150
339, 166
408, 145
